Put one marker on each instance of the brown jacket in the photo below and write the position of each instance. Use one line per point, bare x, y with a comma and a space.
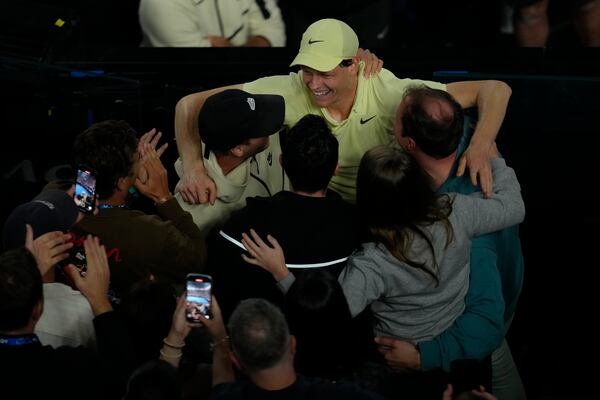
168, 245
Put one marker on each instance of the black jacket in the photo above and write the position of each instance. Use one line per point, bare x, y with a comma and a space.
309, 229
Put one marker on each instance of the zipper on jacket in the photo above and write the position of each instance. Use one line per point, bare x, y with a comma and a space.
259, 179
263, 9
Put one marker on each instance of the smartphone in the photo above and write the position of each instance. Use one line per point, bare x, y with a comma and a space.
469, 374
85, 190
198, 288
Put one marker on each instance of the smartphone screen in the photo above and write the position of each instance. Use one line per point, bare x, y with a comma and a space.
198, 289
85, 190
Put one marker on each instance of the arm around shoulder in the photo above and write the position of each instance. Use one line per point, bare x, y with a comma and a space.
491, 98
195, 186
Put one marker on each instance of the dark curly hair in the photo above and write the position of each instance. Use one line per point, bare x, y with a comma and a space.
310, 154
109, 149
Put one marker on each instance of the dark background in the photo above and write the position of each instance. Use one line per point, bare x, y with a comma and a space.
550, 136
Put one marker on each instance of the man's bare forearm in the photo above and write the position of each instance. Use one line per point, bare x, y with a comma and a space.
187, 138
492, 102
491, 98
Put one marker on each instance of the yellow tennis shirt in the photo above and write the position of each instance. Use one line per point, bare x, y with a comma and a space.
369, 124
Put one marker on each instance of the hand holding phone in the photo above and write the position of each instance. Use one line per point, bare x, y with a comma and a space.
198, 297
85, 190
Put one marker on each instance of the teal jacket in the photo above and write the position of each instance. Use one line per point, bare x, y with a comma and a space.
494, 287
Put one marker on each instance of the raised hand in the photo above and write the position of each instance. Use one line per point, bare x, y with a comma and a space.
49, 249
215, 325
152, 138
269, 258
156, 186
94, 283
180, 327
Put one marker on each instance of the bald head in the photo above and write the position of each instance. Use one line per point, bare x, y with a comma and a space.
432, 118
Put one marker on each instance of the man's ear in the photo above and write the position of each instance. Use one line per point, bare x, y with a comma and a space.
237, 151
354, 67
410, 144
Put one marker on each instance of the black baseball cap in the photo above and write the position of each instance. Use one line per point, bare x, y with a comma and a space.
232, 116
51, 210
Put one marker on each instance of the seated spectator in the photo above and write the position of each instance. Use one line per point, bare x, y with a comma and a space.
168, 246
187, 23
67, 319
533, 26
313, 224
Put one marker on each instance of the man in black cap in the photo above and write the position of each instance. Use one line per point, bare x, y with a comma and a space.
241, 152
51, 210
68, 318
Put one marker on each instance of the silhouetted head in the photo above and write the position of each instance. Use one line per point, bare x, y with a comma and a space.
310, 154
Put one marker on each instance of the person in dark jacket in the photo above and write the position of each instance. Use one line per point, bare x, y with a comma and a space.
167, 246
314, 225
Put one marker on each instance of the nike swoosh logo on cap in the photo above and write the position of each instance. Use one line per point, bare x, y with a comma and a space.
364, 121
310, 41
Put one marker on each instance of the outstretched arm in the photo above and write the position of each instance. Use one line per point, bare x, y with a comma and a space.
195, 185
491, 98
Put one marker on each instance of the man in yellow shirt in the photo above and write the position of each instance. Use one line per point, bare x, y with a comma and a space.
359, 110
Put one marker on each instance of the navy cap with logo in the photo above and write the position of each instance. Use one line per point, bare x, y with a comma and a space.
231, 117
51, 210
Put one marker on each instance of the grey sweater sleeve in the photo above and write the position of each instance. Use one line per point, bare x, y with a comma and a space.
505, 207
362, 282
286, 283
